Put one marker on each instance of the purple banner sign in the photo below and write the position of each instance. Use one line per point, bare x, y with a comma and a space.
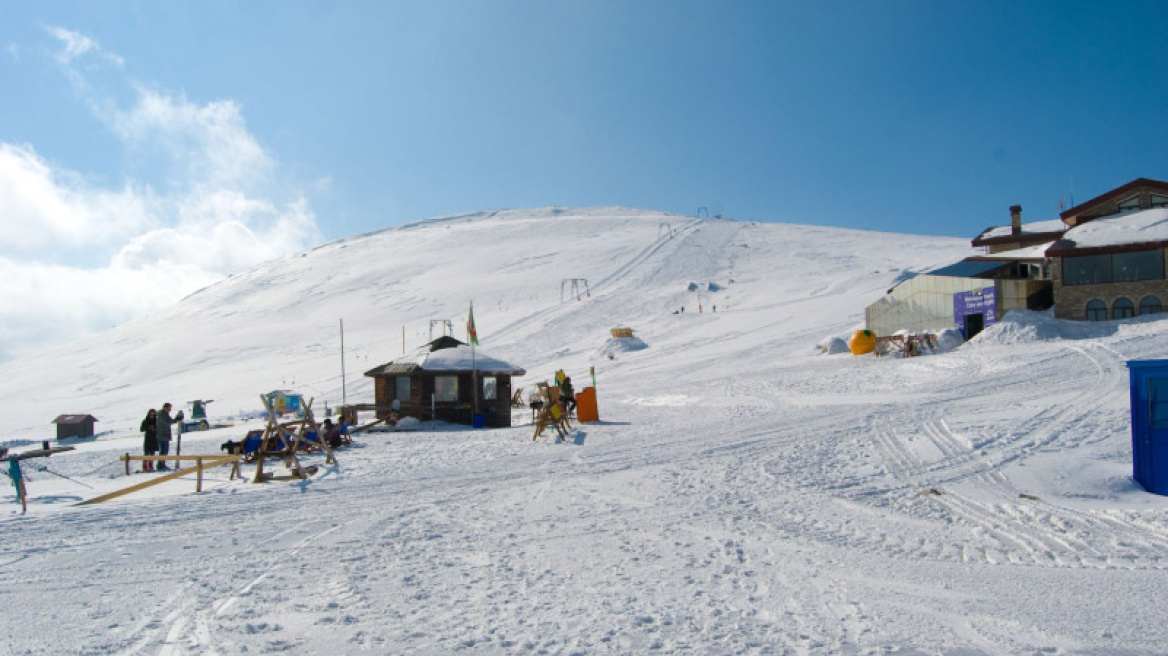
979, 301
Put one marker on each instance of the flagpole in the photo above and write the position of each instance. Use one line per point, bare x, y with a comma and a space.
473, 337
344, 396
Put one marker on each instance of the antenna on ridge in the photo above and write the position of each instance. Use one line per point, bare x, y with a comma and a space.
575, 287
446, 326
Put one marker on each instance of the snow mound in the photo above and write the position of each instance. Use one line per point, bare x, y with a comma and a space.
949, 339
408, 423
1025, 326
618, 345
834, 346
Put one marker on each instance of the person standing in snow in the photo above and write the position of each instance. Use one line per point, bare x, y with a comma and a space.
150, 442
567, 394
164, 422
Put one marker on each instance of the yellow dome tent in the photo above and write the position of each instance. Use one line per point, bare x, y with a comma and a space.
862, 341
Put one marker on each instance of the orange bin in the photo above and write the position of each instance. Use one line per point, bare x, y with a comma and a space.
586, 405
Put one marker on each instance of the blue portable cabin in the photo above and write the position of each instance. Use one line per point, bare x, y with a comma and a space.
1149, 424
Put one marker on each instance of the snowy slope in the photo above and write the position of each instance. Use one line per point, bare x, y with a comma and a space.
743, 493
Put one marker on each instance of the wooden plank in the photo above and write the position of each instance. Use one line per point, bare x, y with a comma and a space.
296, 475
38, 453
192, 458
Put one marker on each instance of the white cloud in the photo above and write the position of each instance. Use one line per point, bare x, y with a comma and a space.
41, 304
223, 233
76, 44
210, 142
78, 257
46, 210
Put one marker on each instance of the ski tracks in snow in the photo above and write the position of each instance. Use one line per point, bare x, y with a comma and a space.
930, 470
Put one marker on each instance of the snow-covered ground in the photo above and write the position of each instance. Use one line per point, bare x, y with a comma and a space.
743, 493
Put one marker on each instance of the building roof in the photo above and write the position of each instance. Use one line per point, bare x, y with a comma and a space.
73, 419
1034, 253
1143, 229
968, 269
1036, 231
446, 354
1118, 192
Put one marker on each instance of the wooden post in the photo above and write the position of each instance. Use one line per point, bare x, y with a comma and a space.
199, 480
127, 459
178, 448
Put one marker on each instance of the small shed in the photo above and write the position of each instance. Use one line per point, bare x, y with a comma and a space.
445, 380
74, 426
1149, 424
284, 402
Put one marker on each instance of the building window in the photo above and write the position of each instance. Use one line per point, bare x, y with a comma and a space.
1096, 310
1129, 204
490, 388
1086, 269
1159, 201
446, 388
1123, 308
402, 389
1150, 305
1141, 265
1113, 267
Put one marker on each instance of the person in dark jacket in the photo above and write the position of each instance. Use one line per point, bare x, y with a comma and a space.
567, 394
150, 443
164, 422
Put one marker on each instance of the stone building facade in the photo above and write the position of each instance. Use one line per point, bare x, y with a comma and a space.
1084, 302
1118, 298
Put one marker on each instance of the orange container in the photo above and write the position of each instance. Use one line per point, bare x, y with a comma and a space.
586, 405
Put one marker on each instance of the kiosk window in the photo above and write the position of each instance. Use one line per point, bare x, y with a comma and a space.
1158, 400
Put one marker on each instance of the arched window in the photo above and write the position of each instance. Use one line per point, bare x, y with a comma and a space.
1123, 308
1096, 310
1150, 305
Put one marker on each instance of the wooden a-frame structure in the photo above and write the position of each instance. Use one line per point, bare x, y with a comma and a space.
551, 413
284, 439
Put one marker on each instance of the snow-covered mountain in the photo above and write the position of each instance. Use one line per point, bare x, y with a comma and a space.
278, 325
743, 493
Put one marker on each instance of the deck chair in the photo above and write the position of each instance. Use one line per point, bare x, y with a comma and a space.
249, 449
251, 444
310, 442
345, 435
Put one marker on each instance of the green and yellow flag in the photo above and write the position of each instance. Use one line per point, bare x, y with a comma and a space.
472, 335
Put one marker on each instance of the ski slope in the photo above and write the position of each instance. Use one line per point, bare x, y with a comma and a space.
743, 493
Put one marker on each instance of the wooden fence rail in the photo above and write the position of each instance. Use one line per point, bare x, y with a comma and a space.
202, 462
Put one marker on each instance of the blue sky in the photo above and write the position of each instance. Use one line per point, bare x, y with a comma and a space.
153, 147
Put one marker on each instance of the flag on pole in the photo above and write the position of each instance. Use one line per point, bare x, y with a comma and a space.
472, 335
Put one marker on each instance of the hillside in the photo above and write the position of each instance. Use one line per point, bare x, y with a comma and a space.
277, 325
742, 494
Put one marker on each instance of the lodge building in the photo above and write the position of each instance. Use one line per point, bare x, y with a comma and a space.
1103, 259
